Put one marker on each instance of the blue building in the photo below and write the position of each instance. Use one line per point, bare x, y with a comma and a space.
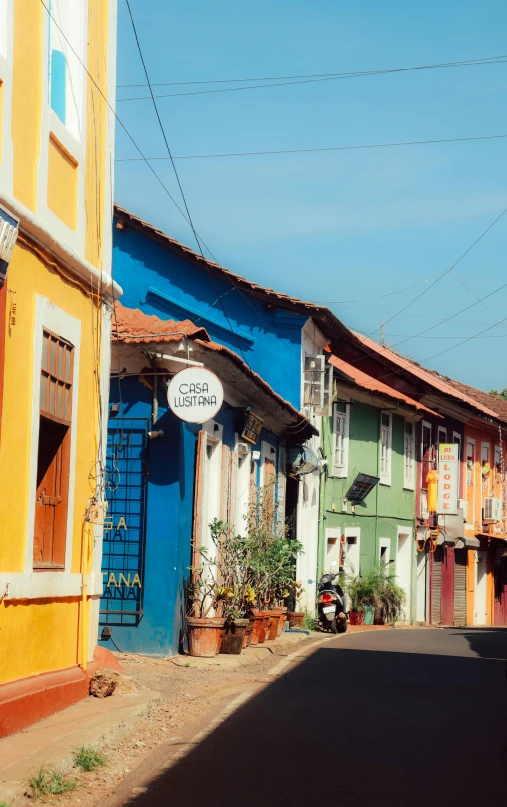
167, 479
281, 338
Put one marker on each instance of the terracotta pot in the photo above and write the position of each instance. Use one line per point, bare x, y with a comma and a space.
248, 633
271, 618
276, 616
295, 619
281, 623
233, 636
356, 617
259, 630
204, 635
264, 629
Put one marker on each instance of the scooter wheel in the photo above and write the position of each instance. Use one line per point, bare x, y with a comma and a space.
333, 626
342, 627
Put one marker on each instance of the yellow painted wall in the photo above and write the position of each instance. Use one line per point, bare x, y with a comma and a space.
96, 110
62, 183
38, 636
27, 98
29, 275
1, 118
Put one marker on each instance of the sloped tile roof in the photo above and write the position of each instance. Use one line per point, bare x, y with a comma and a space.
498, 405
132, 326
370, 384
431, 378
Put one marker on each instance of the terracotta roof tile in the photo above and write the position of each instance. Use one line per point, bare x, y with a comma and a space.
498, 405
373, 385
132, 326
430, 377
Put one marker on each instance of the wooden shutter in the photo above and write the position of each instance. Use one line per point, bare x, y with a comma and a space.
233, 490
198, 495
460, 587
436, 586
225, 483
281, 485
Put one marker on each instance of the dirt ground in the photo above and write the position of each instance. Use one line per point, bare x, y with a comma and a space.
188, 694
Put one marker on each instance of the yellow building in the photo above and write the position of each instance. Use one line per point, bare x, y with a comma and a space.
57, 65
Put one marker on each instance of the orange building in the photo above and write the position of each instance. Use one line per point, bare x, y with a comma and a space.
484, 489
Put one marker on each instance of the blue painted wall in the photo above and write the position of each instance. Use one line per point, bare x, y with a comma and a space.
170, 465
161, 282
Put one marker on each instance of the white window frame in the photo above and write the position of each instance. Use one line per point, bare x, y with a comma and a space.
30, 584
486, 488
471, 510
212, 481
409, 464
342, 470
71, 17
441, 430
353, 532
384, 543
456, 439
242, 487
386, 475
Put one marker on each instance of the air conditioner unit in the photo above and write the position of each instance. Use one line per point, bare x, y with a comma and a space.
242, 449
463, 505
492, 510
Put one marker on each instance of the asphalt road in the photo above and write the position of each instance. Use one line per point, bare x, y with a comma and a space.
407, 717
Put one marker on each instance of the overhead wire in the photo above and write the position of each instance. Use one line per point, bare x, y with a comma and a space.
190, 221
353, 147
318, 79
319, 75
446, 272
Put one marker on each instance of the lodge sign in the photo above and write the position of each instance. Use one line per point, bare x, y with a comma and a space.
195, 394
448, 476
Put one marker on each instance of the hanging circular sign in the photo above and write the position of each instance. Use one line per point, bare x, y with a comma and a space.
195, 394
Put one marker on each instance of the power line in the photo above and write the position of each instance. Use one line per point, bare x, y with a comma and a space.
376, 297
447, 319
441, 276
468, 339
318, 75
313, 78
301, 424
312, 150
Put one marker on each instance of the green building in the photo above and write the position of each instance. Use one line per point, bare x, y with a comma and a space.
370, 431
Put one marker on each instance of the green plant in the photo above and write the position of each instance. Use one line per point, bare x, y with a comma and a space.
48, 782
363, 591
309, 622
88, 758
3, 804
376, 590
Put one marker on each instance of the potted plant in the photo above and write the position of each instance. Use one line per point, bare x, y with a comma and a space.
362, 593
391, 599
206, 623
295, 618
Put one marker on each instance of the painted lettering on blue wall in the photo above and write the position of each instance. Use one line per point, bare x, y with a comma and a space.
109, 523
193, 395
122, 580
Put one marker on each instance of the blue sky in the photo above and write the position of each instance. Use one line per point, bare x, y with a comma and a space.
335, 226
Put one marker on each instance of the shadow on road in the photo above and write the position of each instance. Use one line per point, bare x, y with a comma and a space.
487, 642
347, 727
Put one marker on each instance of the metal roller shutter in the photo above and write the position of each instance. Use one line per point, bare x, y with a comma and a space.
460, 587
436, 586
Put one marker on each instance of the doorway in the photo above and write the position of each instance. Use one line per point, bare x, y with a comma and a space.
404, 568
481, 577
421, 587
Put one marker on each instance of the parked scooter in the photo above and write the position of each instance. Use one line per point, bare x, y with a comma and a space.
331, 603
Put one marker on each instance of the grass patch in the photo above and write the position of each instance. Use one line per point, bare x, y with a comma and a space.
88, 758
48, 782
3, 804
309, 623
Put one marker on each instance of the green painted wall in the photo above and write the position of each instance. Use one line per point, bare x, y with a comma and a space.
386, 508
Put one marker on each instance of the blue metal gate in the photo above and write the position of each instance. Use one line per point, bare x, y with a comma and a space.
123, 548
